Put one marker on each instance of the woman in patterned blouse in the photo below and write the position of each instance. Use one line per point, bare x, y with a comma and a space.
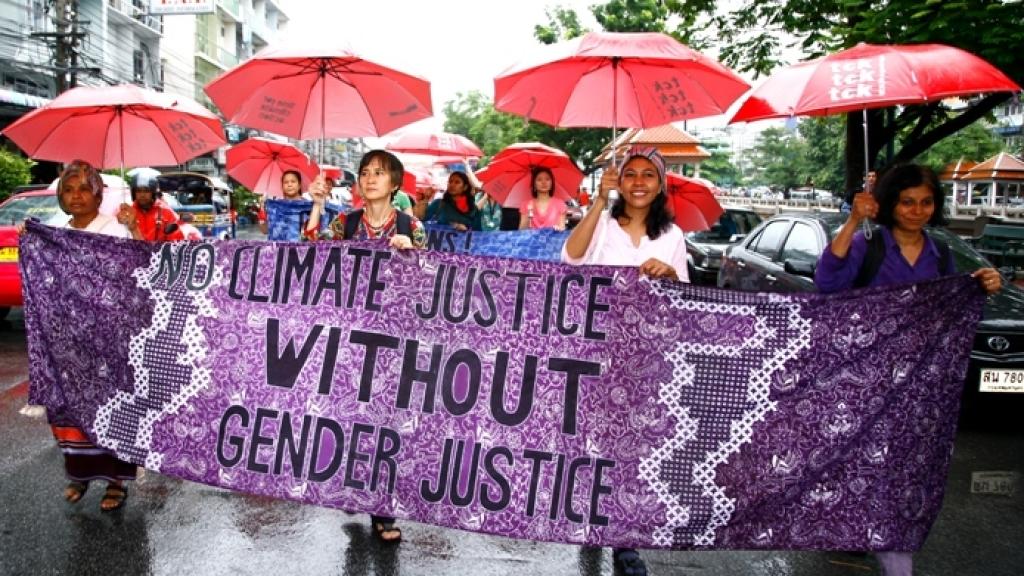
380, 175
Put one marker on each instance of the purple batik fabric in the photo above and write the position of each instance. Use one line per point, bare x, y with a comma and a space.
523, 398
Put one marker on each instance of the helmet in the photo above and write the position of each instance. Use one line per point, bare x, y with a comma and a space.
144, 178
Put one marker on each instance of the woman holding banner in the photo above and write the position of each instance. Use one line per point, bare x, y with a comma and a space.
907, 198
291, 189
380, 175
637, 231
79, 194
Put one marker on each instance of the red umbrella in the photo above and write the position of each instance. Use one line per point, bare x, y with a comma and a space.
521, 146
508, 179
443, 144
317, 92
117, 126
872, 76
693, 202
414, 179
259, 163
610, 79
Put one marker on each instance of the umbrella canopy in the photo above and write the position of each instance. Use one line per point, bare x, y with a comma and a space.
509, 178
872, 76
443, 144
316, 92
117, 126
258, 164
414, 179
693, 203
525, 146
611, 79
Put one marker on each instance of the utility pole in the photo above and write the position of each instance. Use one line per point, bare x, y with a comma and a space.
66, 41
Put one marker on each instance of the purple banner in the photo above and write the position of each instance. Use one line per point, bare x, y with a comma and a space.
522, 398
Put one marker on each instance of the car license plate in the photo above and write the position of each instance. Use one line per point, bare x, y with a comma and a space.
1001, 380
9, 254
1002, 483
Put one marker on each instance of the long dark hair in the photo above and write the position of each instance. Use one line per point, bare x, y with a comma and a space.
658, 220
899, 178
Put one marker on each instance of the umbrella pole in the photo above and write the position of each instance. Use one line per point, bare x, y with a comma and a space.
865, 226
323, 117
120, 130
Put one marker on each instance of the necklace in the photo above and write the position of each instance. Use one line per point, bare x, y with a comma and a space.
376, 229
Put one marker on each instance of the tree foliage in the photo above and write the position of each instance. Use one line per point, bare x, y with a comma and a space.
749, 36
15, 170
976, 142
473, 115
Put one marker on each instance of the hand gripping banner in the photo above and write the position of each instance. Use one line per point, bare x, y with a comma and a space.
522, 398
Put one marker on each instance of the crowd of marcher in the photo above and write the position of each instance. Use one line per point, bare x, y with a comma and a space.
634, 229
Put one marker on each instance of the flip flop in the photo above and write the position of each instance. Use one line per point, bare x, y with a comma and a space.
382, 528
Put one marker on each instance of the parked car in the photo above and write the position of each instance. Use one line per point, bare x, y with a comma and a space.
38, 201
781, 255
704, 249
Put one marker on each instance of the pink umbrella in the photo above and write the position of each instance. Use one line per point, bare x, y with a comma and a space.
443, 144
258, 164
525, 146
117, 126
509, 178
312, 91
615, 79
872, 76
693, 203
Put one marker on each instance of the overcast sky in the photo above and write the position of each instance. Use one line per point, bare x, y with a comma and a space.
458, 45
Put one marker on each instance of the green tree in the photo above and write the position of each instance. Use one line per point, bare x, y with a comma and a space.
750, 37
824, 138
778, 158
976, 142
473, 115
15, 170
563, 24
720, 169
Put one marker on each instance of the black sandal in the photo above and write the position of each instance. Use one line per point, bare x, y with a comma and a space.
75, 490
382, 528
629, 562
115, 493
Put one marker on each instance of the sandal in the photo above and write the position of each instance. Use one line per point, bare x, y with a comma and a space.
74, 491
389, 528
629, 562
114, 497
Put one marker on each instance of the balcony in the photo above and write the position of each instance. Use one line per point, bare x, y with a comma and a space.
209, 51
130, 12
232, 8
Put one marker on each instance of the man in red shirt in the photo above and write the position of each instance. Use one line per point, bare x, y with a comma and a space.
150, 219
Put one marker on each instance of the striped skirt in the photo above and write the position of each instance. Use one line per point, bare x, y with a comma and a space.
84, 461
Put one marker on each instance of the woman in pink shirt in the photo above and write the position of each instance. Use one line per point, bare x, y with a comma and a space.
638, 230
544, 210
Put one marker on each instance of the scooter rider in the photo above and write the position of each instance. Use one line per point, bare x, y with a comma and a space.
149, 217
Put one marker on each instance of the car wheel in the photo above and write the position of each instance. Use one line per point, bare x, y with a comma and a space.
4, 311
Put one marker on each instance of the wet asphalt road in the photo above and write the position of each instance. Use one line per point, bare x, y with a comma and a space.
171, 527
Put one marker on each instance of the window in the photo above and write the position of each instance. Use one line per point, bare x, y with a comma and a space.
802, 244
767, 243
138, 66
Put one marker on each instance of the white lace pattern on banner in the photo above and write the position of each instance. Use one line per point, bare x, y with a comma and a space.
758, 387
143, 404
